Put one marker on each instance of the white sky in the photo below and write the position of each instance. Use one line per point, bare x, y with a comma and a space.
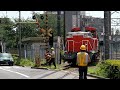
15, 14
95, 13
101, 14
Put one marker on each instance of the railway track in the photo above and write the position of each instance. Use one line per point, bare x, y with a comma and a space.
71, 69
74, 71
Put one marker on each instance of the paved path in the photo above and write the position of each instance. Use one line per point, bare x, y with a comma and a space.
17, 72
61, 75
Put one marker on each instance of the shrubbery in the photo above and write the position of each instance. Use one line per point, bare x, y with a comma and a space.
26, 62
22, 62
109, 69
15, 58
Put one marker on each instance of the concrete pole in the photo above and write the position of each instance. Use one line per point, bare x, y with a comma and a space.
110, 35
19, 35
106, 36
59, 35
58, 23
64, 29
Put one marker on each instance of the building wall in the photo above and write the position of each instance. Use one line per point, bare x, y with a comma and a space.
68, 21
98, 23
72, 19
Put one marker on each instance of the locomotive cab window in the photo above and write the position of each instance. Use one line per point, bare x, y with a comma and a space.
94, 34
88, 35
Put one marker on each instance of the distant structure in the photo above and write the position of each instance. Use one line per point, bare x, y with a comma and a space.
72, 19
97, 23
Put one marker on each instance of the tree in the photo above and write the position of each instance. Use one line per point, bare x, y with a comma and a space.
7, 33
27, 29
52, 22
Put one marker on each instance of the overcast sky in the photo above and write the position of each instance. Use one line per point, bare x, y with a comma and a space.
15, 14
95, 13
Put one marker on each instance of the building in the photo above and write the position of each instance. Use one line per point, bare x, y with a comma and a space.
54, 12
72, 19
98, 23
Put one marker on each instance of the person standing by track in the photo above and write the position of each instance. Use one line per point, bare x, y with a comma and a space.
82, 61
52, 57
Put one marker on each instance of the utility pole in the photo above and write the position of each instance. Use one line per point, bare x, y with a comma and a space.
64, 29
110, 35
82, 23
76, 18
19, 35
6, 14
58, 23
107, 33
59, 34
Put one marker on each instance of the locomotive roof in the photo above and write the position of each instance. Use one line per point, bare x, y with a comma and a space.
80, 32
85, 34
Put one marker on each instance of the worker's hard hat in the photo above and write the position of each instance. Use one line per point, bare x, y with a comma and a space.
52, 48
83, 47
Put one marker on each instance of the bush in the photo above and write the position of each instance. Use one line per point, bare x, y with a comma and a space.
109, 69
22, 62
16, 59
26, 62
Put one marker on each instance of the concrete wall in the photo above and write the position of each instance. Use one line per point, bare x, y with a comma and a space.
68, 20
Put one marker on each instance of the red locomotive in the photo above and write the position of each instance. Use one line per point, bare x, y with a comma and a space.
76, 38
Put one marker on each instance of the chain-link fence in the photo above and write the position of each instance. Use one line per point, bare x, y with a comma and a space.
29, 52
115, 50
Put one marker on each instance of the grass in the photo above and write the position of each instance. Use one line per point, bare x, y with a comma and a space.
26, 62
31, 63
92, 69
58, 66
95, 70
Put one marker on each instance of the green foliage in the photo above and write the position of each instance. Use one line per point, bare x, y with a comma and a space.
26, 62
16, 59
103, 69
93, 63
7, 34
108, 69
9, 30
27, 30
92, 70
22, 62
52, 23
